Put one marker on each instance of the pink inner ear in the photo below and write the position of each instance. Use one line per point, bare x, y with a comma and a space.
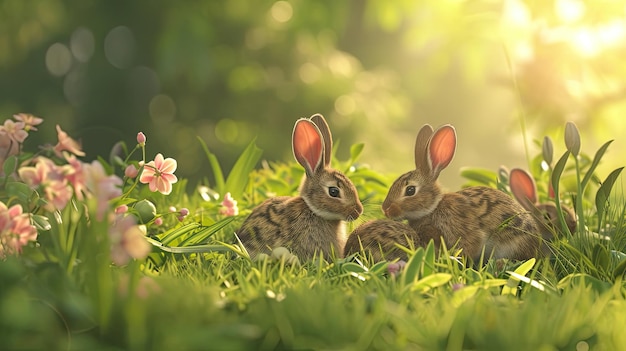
523, 187
307, 145
442, 148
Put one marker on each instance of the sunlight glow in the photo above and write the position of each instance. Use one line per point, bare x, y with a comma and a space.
569, 11
281, 11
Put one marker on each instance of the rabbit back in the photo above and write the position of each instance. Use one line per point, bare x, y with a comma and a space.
481, 218
288, 222
380, 238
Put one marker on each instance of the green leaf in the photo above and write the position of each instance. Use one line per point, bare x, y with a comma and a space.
481, 176
176, 233
413, 267
207, 232
431, 281
555, 180
19, 190
215, 166
240, 174
355, 152
428, 266
600, 257
41, 222
9, 165
189, 249
511, 286
602, 196
620, 269
594, 163
351, 267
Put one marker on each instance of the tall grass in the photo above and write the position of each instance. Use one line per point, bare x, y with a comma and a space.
198, 289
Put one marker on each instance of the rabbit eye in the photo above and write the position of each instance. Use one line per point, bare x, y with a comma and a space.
333, 191
410, 190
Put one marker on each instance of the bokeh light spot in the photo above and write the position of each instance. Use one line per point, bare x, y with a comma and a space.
345, 105
569, 11
281, 11
309, 73
226, 131
58, 59
143, 84
82, 44
119, 47
73, 86
162, 108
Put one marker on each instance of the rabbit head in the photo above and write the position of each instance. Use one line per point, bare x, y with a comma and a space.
312, 223
327, 192
524, 191
416, 194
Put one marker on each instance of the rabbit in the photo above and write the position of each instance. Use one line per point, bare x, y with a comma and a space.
478, 220
524, 190
312, 223
381, 239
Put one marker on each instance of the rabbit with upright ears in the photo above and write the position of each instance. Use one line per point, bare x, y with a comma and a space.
524, 190
312, 223
482, 221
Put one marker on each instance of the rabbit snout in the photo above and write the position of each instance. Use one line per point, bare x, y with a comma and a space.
392, 210
356, 212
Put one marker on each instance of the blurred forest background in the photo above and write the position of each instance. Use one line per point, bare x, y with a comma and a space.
229, 71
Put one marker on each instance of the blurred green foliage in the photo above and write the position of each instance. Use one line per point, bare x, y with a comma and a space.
227, 71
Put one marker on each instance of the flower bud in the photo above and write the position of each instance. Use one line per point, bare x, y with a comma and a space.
121, 209
131, 171
572, 138
547, 150
141, 138
146, 210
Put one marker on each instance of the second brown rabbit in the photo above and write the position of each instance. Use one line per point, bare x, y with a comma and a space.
479, 220
524, 190
313, 223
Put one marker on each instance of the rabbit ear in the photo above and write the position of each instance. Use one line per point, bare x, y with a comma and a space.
421, 143
308, 145
321, 124
441, 149
523, 188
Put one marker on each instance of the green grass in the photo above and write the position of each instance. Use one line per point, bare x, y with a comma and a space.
198, 290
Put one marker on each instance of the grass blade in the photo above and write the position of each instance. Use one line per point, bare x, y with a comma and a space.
602, 196
215, 166
239, 175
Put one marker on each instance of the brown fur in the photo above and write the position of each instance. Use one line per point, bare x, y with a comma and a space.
310, 224
476, 219
381, 239
524, 190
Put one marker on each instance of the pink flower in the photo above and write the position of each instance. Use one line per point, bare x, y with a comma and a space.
229, 206
73, 172
121, 209
29, 120
7, 148
159, 174
141, 139
101, 186
15, 230
158, 221
66, 143
14, 130
131, 171
58, 194
128, 240
52, 179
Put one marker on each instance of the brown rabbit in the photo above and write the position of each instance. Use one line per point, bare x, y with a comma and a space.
477, 219
381, 239
524, 190
312, 223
